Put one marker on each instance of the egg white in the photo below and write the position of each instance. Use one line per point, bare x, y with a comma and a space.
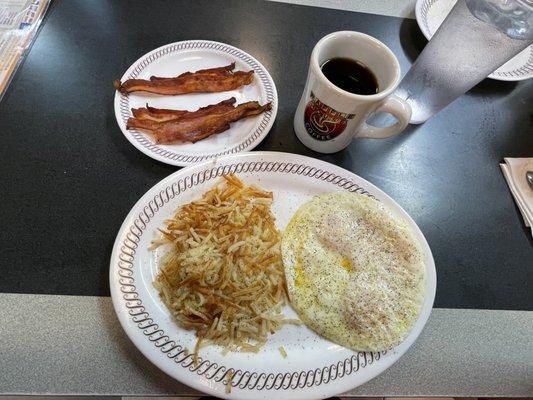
355, 272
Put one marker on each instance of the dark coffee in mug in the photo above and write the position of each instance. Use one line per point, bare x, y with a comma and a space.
341, 92
350, 75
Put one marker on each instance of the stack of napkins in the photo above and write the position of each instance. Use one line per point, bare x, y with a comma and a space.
514, 170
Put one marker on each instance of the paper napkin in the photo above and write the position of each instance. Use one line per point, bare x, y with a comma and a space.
514, 170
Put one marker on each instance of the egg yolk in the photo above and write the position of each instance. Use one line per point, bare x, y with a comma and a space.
299, 279
346, 264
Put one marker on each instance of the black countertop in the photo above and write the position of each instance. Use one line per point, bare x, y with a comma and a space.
69, 177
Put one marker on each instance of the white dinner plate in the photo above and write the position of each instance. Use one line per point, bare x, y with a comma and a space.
431, 13
192, 55
315, 368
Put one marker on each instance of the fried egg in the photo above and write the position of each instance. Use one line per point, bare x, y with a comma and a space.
355, 272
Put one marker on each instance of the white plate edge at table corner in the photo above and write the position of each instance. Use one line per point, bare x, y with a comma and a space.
177, 163
131, 328
413, 335
428, 35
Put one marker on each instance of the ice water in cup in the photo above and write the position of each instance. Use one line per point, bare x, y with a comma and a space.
476, 38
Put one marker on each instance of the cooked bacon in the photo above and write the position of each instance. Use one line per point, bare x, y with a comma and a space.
164, 114
145, 124
193, 130
187, 84
156, 114
220, 71
203, 81
201, 126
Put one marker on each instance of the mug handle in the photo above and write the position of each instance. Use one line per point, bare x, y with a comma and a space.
395, 106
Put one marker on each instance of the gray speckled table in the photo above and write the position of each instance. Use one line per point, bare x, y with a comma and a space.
74, 345
393, 8
71, 345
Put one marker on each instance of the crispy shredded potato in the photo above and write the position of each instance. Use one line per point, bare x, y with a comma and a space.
231, 375
223, 276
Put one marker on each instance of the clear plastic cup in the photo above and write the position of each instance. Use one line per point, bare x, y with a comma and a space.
476, 38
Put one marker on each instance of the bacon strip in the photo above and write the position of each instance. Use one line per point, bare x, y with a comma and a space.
193, 129
203, 81
220, 71
164, 114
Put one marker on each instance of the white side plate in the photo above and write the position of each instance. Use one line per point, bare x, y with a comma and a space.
315, 368
192, 55
431, 13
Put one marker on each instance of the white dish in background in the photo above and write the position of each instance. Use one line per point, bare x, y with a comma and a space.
314, 368
192, 55
431, 13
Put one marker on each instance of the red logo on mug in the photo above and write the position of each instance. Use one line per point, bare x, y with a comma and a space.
323, 122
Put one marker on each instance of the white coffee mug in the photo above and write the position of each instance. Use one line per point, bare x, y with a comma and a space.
328, 118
